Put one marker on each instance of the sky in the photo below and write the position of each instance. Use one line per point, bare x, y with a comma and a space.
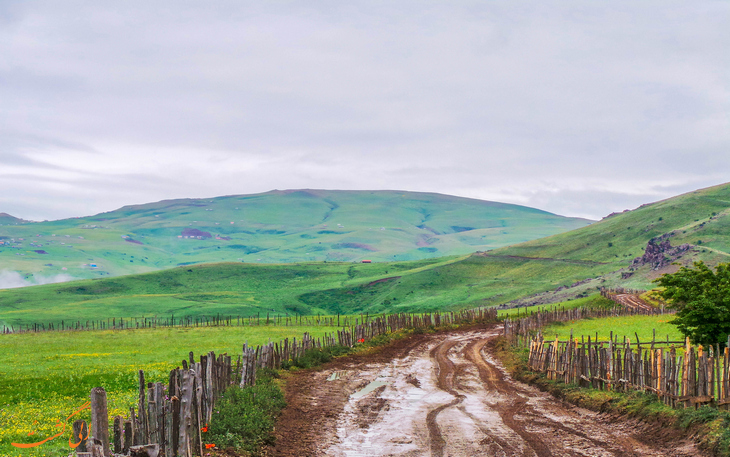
580, 108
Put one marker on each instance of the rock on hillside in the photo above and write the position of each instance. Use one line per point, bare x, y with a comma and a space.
659, 253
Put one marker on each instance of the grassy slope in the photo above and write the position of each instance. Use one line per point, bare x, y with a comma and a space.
274, 227
487, 278
702, 215
7, 219
229, 289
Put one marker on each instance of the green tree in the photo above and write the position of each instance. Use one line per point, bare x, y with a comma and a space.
702, 300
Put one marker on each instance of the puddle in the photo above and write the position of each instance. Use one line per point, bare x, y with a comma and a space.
335, 376
369, 388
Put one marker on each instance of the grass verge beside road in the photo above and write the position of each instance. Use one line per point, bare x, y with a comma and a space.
709, 426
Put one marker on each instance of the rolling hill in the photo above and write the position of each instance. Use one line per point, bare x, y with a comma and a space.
7, 219
273, 227
627, 249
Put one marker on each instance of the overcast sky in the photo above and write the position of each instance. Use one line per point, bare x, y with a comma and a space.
580, 108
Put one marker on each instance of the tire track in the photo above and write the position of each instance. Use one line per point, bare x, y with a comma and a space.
445, 382
492, 381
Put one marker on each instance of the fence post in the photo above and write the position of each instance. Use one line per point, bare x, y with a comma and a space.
100, 419
81, 431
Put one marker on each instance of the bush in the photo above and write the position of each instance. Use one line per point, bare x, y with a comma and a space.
244, 418
702, 300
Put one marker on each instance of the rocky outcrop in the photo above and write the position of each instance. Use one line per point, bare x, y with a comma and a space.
659, 253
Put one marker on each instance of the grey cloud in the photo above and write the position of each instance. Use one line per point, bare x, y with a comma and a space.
472, 97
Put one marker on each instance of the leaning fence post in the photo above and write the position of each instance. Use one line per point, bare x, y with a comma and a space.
100, 419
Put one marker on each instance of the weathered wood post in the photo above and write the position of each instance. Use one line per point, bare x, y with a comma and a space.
118, 434
152, 430
128, 437
100, 419
173, 427
184, 448
143, 436
81, 433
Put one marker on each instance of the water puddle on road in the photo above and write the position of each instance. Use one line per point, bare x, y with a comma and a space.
336, 375
369, 388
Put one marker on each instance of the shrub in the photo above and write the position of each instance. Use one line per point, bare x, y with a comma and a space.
244, 418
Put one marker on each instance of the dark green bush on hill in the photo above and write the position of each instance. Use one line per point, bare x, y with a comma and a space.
702, 300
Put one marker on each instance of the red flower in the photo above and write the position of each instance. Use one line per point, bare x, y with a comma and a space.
210, 446
204, 429
361, 340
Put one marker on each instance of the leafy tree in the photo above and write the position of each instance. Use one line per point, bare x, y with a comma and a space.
702, 300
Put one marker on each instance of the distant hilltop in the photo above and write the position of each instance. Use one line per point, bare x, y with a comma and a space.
288, 226
6, 218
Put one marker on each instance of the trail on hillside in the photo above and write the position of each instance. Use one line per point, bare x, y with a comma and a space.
445, 395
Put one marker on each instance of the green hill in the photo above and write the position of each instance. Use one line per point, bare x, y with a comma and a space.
273, 227
7, 219
554, 268
700, 219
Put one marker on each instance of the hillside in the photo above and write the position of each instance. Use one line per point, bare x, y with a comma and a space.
700, 219
555, 268
273, 227
7, 219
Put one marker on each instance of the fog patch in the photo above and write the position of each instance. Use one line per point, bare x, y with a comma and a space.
13, 279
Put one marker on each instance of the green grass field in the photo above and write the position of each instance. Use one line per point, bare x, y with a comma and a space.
627, 326
516, 313
45, 377
326, 288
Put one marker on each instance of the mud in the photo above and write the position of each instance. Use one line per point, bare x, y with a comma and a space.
445, 395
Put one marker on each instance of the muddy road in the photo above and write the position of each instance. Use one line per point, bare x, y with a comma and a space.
445, 395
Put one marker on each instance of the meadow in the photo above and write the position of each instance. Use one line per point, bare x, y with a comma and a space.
45, 377
625, 326
246, 290
516, 313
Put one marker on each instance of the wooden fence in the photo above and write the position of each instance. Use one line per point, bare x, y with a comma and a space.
524, 327
168, 418
125, 323
129, 323
680, 374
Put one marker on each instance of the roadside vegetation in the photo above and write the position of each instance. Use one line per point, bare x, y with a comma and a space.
709, 425
45, 377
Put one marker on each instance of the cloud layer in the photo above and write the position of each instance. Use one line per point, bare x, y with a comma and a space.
13, 279
573, 107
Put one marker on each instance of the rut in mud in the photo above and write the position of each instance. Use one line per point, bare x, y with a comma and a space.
444, 395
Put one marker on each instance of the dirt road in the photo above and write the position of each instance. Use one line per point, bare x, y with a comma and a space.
445, 395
